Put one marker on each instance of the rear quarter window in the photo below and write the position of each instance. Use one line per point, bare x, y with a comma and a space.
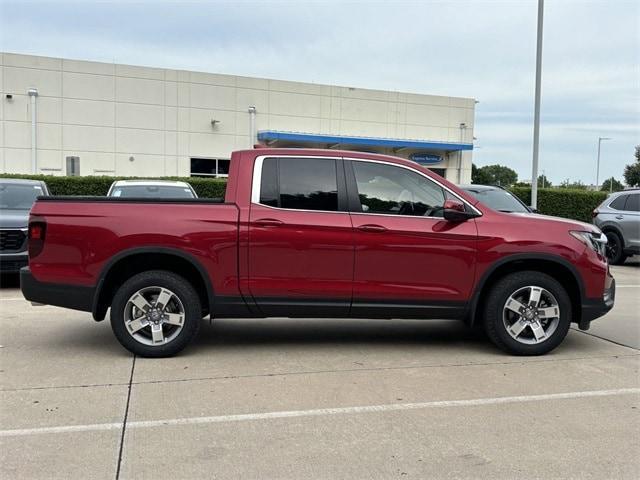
618, 203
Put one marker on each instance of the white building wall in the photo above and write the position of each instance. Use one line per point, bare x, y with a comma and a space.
129, 120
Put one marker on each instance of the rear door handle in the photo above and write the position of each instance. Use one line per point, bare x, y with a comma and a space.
619, 217
268, 222
372, 228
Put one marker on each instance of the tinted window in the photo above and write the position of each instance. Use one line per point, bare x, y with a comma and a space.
619, 202
151, 191
396, 190
299, 183
18, 197
498, 199
269, 183
633, 203
308, 183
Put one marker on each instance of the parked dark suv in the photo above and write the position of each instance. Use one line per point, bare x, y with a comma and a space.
16, 199
619, 219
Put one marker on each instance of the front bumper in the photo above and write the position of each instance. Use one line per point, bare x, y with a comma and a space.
592, 309
13, 262
68, 296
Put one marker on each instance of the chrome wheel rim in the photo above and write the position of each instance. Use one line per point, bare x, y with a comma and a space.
154, 316
531, 315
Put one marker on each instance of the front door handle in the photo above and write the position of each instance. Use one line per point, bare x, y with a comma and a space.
619, 217
372, 228
268, 222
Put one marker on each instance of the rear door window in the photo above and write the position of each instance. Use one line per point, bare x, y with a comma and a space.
633, 203
300, 183
618, 203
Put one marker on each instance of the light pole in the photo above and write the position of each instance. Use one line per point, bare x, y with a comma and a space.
536, 113
463, 127
598, 162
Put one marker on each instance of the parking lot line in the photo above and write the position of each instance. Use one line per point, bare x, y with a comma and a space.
320, 412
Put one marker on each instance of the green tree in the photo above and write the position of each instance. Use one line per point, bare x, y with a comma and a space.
632, 171
611, 182
478, 176
497, 175
544, 182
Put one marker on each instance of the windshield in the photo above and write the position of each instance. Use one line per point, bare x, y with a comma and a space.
16, 196
499, 199
151, 191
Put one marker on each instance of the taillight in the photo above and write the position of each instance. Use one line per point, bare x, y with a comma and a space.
595, 213
37, 232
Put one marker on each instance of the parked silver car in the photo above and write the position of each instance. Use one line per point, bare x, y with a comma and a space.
619, 219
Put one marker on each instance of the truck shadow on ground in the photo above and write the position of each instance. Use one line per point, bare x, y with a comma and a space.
336, 331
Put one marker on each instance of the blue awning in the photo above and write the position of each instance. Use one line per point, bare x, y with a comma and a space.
273, 136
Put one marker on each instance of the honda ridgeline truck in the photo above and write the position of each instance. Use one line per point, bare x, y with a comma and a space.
317, 233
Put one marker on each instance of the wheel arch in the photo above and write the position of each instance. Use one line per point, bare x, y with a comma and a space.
552, 265
136, 260
612, 227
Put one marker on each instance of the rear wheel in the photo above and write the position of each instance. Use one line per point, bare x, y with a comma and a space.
155, 314
527, 313
615, 249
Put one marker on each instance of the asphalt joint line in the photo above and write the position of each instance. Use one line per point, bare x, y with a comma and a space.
124, 420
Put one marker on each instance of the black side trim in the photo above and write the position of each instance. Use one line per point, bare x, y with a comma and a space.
520, 257
78, 199
58, 294
440, 310
99, 309
339, 308
302, 308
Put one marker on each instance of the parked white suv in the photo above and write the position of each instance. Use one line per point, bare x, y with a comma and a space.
151, 189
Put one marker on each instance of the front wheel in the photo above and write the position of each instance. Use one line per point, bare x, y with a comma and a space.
527, 313
155, 314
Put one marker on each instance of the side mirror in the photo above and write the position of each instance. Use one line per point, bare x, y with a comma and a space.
532, 210
454, 211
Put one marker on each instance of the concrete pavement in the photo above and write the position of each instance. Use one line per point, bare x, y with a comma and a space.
281, 399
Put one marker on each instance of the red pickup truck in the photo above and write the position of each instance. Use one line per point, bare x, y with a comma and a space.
317, 233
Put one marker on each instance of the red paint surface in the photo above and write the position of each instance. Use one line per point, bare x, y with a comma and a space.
309, 254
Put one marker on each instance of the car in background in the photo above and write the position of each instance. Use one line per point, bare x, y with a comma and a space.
151, 189
16, 199
497, 198
619, 219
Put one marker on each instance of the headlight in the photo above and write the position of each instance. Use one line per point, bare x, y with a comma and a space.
595, 241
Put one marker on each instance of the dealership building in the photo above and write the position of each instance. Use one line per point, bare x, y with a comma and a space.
60, 116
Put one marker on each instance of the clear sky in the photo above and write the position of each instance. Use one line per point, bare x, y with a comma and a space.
480, 49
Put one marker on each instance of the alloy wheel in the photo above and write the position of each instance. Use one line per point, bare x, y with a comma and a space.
531, 315
154, 316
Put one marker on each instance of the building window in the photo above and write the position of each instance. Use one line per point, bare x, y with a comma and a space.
210, 167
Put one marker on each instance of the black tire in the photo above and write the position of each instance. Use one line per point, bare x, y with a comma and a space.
182, 289
495, 304
615, 249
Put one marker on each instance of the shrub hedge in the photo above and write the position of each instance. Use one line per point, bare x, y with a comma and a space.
204, 187
563, 202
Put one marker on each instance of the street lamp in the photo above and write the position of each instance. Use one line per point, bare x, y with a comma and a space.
536, 112
598, 162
